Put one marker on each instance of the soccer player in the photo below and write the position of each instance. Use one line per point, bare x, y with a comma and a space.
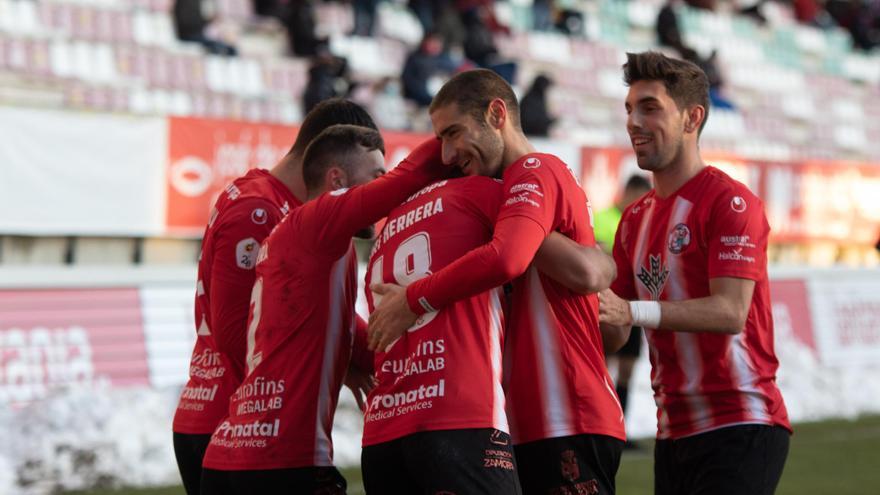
436, 419
566, 422
276, 437
692, 259
606, 223
241, 219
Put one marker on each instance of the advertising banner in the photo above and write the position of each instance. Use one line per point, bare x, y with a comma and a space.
60, 337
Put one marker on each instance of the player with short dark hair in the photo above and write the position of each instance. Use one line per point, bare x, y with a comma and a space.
566, 423
277, 435
242, 217
692, 261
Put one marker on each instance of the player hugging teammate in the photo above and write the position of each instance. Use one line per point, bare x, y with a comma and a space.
488, 373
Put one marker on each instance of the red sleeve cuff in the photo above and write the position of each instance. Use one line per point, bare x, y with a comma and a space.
418, 305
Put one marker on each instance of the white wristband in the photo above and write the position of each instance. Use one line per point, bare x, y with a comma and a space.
645, 313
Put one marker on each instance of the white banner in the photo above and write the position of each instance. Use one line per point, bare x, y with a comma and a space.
72, 173
846, 315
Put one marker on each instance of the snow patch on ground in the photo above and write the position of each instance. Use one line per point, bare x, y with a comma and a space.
103, 437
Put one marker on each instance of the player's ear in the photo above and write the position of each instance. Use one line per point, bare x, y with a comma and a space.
695, 116
335, 178
497, 114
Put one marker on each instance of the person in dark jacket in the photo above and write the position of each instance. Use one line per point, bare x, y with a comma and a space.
534, 117
427, 61
190, 24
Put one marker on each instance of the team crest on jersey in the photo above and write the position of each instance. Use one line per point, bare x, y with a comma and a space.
531, 163
679, 238
569, 465
738, 204
654, 278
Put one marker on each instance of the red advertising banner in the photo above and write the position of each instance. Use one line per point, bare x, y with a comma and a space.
61, 337
205, 155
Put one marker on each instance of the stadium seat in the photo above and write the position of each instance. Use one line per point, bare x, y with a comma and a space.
17, 250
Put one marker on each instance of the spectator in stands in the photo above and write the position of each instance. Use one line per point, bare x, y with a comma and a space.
860, 17
267, 8
364, 17
299, 20
328, 78
812, 13
425, 62
190, 24
534, 116
669, 34
542, 15
702, 4
429, 13
479, 45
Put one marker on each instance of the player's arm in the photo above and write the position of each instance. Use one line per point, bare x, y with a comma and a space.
725, 310
359, 377
523, 223
237, 241
613, 336
364, 205
582, 269
736, 251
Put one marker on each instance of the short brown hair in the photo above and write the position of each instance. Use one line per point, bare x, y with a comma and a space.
329, 112
473, 90
685, 82
333, 146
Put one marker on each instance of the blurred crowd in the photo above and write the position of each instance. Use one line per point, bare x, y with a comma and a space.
460, 34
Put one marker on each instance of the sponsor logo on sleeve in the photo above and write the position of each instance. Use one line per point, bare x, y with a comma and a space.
738, 204
522, 198
528, 187
735, 255
246, 252
232, 192
737, 241
679, 238
531, 163
259, 216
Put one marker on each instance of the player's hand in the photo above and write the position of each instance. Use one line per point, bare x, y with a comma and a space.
614, 310
391, 318
360, 383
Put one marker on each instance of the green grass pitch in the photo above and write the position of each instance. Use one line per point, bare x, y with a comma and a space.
840, 457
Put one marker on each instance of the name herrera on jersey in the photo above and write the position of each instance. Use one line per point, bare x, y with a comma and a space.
395, 225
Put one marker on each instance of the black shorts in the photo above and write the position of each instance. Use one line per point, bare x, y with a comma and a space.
633, 345
737, 460
569, 465
314, 480
459, 462
189, 451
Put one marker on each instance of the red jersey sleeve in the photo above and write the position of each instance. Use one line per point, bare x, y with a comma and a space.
337, 215
361, 356
624, 284
237, 240
737, 235
525, 219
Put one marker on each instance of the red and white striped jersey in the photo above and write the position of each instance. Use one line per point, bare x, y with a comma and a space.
242, 217
445, 372
302, 325
557, 383
668, 249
